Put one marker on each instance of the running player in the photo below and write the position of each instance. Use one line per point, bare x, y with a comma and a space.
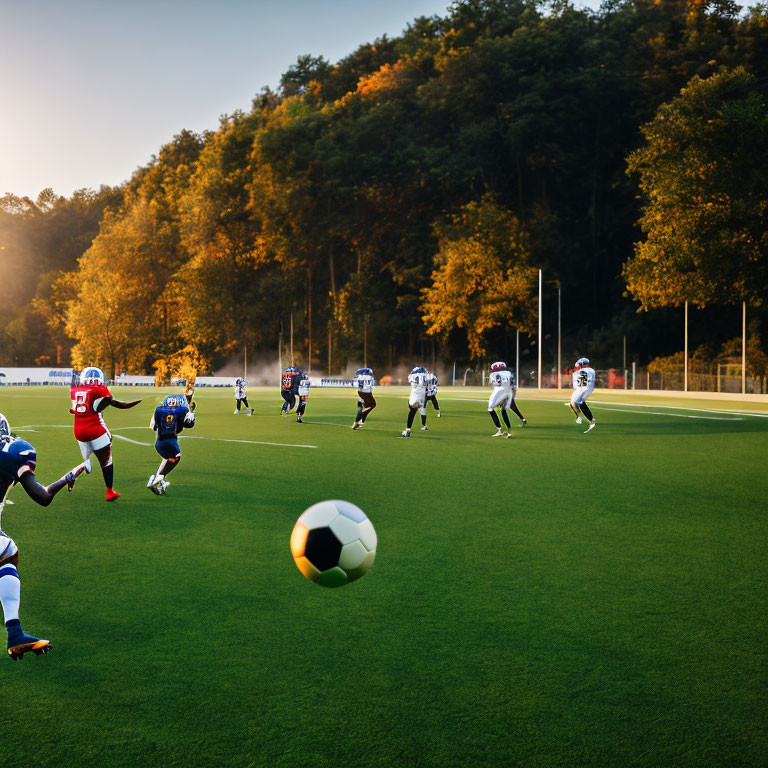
18, 460
503, 397
583, 387
241, 398
89, 400
289, 388
302, 393
432, 392
168, 420
417, 378
366, 402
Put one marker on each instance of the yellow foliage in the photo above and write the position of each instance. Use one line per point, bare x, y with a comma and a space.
183, 364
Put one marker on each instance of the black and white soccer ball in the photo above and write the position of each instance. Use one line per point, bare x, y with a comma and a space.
333, 543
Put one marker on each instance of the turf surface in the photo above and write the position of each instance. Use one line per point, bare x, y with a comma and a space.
554, 599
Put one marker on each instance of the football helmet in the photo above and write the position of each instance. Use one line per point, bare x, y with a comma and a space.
499, 366
5, 426
363, 372
171, 401
419, 369
92, 377
582, 361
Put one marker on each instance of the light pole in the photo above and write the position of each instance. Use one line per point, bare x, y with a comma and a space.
541, 290
743, 347
559, 337
685, 352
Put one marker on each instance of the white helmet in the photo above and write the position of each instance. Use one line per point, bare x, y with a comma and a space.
582, 361
5, 426
499, 366
92, 377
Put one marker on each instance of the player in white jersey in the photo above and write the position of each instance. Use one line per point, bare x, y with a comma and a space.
503, 397
304, 384
417, 378
366, 402
432, 391
583, 387
241, 398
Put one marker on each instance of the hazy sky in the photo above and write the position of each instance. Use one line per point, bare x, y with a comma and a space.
90, 89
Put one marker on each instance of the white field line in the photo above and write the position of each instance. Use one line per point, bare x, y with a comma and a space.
732, 415
250, 442
682, 408
135, 442
678, 415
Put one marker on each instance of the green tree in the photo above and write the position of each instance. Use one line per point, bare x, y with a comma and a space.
703, 172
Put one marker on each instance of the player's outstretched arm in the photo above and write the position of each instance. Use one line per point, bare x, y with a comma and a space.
107, 401
42, 494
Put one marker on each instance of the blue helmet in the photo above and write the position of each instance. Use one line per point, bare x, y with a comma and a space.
363, 372
171, 401
5, 426
419, 369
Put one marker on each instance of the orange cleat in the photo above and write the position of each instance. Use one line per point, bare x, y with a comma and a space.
38, 647
112, 495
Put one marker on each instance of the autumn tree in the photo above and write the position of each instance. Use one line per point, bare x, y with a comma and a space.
483, 278
703, 172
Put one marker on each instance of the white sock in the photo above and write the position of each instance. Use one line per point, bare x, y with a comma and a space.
10, 595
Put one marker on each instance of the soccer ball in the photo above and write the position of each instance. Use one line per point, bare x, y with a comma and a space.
333, 543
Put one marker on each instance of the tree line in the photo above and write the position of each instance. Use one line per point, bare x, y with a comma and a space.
398, 203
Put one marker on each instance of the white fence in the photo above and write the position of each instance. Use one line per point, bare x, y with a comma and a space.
46, 376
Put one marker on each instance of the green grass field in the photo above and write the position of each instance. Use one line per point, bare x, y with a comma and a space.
554, 599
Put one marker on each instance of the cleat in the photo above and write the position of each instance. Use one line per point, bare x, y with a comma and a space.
424, 428
523, 422
158, 486
164, 485
250, 411
299, 420
112, 495
26, 643
439, 414
509, 434
590, 427
578, 420
76, 472
235, 413
151, 485
498, 433
405, 433
356, 425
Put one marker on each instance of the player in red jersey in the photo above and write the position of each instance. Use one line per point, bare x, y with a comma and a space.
89, 399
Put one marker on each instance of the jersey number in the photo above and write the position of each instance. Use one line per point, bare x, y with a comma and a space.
78, 404
583, 379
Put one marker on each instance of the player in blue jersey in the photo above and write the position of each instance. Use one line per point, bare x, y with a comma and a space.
168, 420
18, 460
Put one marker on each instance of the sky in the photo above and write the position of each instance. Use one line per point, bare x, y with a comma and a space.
91, 89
